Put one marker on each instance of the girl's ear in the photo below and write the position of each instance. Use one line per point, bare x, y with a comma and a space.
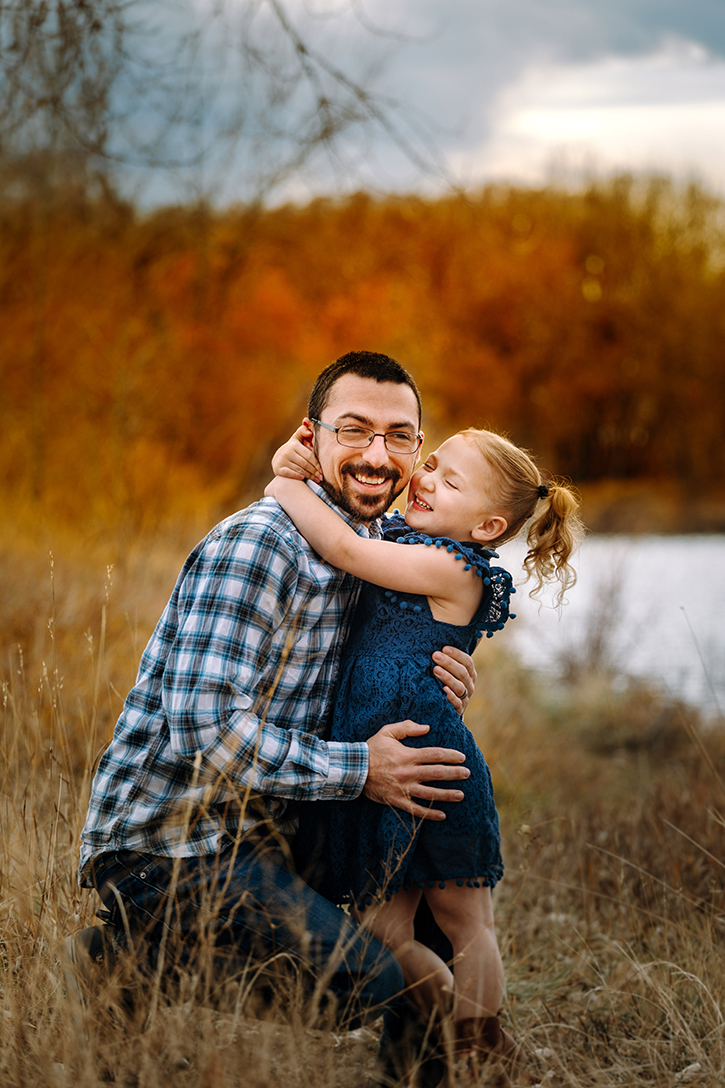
490, 529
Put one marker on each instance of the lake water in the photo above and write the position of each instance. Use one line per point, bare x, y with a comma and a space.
648, 606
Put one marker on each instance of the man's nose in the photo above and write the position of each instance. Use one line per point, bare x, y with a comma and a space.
376, 454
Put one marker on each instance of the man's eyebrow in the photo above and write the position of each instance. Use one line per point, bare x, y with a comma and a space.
406, 425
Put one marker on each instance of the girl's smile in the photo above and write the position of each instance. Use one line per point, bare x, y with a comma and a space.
452, 494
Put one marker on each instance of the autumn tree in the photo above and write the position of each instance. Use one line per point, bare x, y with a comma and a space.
225, 98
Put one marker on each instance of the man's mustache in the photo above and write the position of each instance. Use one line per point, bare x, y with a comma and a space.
367, 470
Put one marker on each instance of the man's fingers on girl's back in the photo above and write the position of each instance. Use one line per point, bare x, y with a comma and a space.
431, 795
404, 729
426, 813
433, 756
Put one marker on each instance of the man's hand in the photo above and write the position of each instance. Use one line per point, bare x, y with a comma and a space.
397, 774
457, 673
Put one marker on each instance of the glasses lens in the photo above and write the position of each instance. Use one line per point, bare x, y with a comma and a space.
401, 442
361, 437
356, 437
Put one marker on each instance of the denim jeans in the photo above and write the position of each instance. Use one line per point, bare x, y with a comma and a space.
246, 906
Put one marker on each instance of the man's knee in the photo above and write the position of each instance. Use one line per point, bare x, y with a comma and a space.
381, 976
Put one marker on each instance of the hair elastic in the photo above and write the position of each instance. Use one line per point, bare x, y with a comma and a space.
543, 491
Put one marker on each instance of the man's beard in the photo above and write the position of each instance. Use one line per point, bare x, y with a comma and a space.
365, 508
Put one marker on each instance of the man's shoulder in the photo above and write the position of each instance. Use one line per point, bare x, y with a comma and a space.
258, 538
262, 521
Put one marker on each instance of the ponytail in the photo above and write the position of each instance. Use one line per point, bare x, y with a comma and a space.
550, 510
553, 535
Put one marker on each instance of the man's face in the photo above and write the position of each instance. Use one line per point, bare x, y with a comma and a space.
365, 482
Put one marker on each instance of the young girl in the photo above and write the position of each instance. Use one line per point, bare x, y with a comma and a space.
429, 582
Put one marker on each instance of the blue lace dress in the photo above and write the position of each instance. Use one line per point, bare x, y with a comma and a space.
352, 851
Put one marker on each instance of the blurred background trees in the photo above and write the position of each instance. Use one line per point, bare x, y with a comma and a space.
151, 357
105, 105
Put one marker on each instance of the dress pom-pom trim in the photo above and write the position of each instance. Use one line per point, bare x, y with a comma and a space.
384, 895
495, 611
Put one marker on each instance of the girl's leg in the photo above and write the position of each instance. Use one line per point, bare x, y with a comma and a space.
466, 917
429, 980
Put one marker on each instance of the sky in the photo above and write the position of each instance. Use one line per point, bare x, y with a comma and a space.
525, 89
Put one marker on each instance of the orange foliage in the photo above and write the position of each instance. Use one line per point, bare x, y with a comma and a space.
142, 354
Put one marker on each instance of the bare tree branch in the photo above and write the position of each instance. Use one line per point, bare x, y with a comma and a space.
205, 88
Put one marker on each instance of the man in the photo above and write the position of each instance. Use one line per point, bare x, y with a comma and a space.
192, 803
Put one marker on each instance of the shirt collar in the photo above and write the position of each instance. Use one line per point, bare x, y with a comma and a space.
371, 529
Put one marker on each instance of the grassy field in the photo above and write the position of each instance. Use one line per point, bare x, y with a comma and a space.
611, 916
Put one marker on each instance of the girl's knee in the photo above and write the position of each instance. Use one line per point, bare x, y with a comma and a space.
458, 910
393, 922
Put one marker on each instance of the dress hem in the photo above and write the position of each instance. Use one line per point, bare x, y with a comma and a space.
489, 880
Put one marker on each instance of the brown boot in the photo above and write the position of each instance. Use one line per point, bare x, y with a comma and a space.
482, 1040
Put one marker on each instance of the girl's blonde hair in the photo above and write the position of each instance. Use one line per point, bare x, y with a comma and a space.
550, 509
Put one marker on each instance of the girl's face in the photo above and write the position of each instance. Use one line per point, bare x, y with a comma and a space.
450, 495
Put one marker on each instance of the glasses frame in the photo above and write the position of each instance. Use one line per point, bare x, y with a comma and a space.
373, 436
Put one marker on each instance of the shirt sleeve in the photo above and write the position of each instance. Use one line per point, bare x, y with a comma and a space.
238, 593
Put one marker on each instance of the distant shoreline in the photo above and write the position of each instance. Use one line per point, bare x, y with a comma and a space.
650, 506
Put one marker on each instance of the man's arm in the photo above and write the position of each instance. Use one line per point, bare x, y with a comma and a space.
233, 674
237, 596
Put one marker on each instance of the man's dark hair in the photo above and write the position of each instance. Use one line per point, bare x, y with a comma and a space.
364, 364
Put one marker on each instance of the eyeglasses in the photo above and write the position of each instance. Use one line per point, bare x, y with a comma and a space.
359, 438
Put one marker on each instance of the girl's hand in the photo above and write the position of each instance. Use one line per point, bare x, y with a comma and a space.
296, 459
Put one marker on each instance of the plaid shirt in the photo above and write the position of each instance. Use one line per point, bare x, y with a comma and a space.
223, 726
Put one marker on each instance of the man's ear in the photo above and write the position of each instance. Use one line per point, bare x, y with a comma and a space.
490, 529
308, 439
419, 454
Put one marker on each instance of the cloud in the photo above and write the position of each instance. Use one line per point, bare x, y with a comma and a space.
502, 87
659, 110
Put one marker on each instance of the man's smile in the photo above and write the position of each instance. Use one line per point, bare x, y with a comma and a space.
369, 478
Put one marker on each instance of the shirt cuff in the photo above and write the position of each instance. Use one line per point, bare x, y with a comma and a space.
347, 772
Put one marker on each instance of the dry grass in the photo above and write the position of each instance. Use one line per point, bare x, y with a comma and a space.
611, 916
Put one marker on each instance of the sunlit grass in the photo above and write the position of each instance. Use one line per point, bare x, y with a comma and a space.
611, 916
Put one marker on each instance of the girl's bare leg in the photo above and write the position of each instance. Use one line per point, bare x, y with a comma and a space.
466, 917
393, 923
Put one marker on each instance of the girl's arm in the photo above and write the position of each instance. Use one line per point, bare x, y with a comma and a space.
414, 568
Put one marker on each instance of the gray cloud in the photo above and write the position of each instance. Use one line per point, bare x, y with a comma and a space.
461, 64
468, 51
568, 29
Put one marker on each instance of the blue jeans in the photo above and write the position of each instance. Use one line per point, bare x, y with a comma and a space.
246, 906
